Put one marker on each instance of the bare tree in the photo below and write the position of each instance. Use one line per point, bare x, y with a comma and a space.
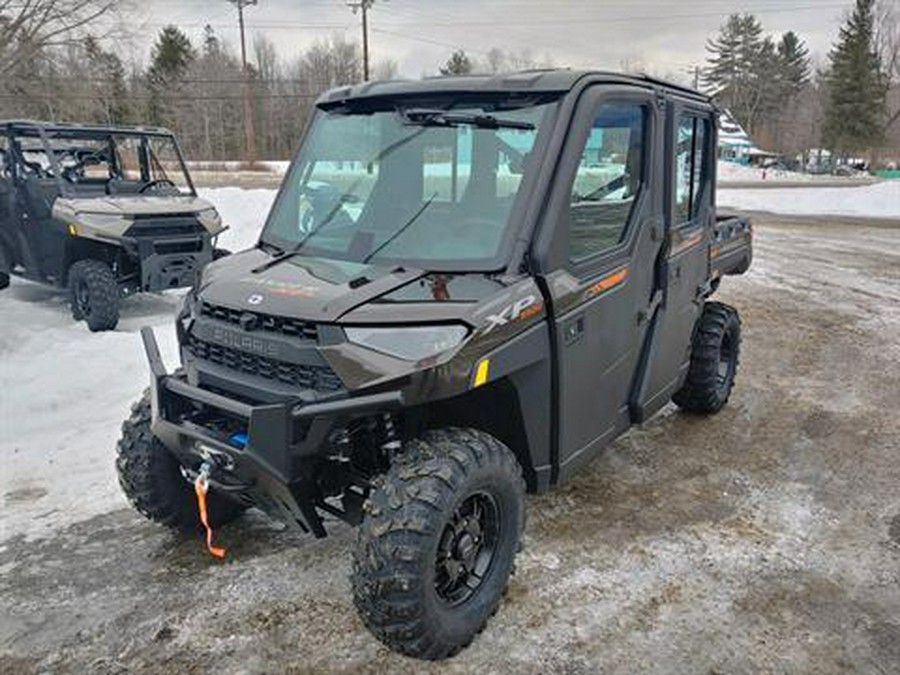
887, 41
499, 61
30, 27
386, 69
887, 37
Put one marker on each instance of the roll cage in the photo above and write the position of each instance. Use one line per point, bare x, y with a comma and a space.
56, 140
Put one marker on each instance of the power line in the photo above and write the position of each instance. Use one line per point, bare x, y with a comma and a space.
623, 19
438, 43
293, 25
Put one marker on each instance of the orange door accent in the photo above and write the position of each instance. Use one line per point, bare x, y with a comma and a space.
608, 282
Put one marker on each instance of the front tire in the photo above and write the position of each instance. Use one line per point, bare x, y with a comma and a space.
437, 542
151, 478
715, 353
94, 294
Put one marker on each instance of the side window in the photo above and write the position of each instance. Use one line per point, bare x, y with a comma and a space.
5, 166
608, 180
690, 167
128, 156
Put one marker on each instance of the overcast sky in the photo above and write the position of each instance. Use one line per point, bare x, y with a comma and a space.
666, 36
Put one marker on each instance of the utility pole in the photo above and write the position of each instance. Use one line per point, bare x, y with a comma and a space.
363, 6
249, 122
694, 72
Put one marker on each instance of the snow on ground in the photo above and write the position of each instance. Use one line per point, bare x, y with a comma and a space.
274, 166
243, 211
881, 200
732, 172
65, 391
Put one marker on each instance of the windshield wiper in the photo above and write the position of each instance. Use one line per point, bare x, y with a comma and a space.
445, 118
400, 230
340, 205
284, 255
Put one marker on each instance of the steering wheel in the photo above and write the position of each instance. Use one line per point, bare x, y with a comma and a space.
156, 184
74, 173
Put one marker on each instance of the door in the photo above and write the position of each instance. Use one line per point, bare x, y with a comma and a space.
689, 220
607, 229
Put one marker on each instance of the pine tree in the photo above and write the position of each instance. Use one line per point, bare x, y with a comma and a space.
170, 58
793, 63
738, 68
457, 64
211, 43
787, 80
857, 86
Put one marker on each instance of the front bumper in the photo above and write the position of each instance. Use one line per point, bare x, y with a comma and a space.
170, 262
273, 466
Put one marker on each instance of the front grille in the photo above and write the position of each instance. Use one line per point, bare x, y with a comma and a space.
274, 324
155, 226
317, 378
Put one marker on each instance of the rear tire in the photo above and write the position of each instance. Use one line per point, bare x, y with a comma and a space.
151, 478
715, 353
4, 280
94, 294
437, 542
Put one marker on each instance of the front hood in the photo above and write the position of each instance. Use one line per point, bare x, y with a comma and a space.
123, 210
133, 205
314, 289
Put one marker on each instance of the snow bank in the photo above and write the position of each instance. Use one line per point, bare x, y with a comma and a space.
243, 211
881, 200
275, 166
734, 173
65, 391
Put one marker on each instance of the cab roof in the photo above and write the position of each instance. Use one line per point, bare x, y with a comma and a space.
34, 128
533, 82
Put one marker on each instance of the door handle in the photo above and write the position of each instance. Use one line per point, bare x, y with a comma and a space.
645, 314
573, 330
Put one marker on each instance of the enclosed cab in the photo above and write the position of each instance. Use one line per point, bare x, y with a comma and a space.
105, 212
465, 289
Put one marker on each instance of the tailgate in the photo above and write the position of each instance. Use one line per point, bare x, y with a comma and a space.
731, 249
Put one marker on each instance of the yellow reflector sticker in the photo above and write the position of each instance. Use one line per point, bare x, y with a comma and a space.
481, 375
73, 230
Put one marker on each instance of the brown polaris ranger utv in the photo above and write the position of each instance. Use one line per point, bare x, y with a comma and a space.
465, 290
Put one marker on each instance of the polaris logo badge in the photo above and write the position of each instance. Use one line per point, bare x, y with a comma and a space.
245, 343
255, 299
521, 309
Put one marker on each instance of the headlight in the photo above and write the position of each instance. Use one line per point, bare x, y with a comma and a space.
101, 221
187, 305
210, 216
411, 344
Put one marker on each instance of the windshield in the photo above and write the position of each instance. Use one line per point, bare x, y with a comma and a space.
426, 187
88, 164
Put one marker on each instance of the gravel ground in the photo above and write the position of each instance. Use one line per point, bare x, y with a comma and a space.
764, 539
